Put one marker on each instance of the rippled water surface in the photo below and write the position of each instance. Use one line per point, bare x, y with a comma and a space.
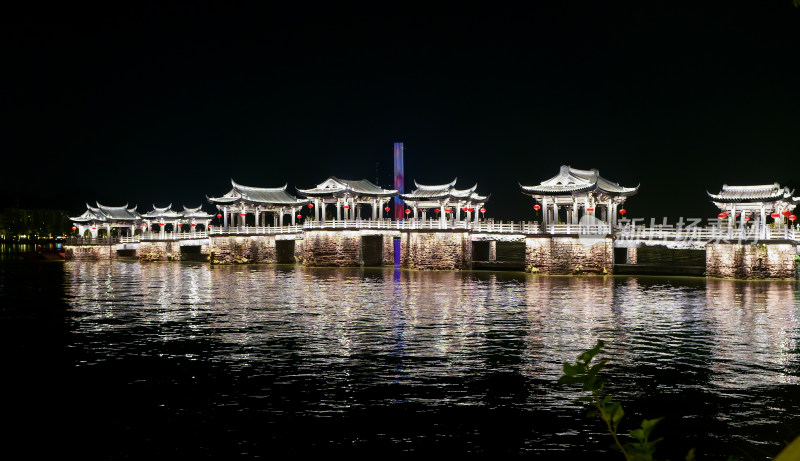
182, 359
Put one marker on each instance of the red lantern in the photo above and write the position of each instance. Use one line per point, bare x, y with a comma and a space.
447, 210
786, 212
193, 225
386, 209
464, 208
219, 215
299, 216
483, 210
722, 215
180, 225
242, 214
94, 228
74, 228
436, 210
622, 211
408, 211
747, 218
144, 225
590, 210
470, 209
775, 215
310, 206
161, 224
346, 207
536, 208
792, 217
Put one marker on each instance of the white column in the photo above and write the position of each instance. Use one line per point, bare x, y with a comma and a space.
225, 217
544, 211
338, 210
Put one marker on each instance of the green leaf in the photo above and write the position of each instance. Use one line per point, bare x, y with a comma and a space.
791, 452
690, 455
618, 414
572, 370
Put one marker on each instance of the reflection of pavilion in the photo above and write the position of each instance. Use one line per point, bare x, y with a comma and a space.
579, 193
348, 195
120, 218
754, 203
241, 201
445, 198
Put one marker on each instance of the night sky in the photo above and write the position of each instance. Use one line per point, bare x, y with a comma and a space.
157, 107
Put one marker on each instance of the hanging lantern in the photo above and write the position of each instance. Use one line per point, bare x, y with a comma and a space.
470, 209
94, 228
310, 206
180, 225
74, 228
775, 215
242, 214
407, 211
162, 224
144, 225
747, 218
483, 210
346, 207
536, 208
464, 208
386, 209
786, 212
219, 216
193, 224
792, 217
299, 216
589, 210
447, 210
722, 215
622, 211
436, 210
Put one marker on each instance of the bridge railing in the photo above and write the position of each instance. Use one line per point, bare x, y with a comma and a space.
91, 241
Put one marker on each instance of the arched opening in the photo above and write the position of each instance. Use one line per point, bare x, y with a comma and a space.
200, 228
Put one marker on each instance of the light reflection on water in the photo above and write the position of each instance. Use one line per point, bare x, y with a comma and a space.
357, 339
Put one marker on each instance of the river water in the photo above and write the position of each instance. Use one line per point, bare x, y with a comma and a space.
127, 360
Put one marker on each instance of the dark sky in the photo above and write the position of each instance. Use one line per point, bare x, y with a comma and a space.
167, 106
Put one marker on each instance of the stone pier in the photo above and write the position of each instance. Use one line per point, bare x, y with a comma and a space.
568, 255
89, 252
768, 260
436, 250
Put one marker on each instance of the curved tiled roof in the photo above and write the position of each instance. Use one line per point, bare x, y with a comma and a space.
758, 193
572, 180
257, 196
336, 187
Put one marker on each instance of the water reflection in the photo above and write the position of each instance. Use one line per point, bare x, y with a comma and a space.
365, 338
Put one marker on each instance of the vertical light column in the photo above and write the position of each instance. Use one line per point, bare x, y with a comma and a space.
399, 180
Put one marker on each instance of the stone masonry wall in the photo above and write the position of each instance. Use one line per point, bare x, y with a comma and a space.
436, 250
242, 250
751, 260
568, 255
159, 251
332, 248
89, 252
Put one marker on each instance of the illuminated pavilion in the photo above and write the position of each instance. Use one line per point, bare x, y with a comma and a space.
348, 196
241, 201
187, 220
443, 197
578, 193
742, 204
121, 218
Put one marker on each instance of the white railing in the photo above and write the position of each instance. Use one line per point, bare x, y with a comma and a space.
256, 230
658, 232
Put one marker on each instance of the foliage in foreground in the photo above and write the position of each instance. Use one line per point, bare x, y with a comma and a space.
639, 446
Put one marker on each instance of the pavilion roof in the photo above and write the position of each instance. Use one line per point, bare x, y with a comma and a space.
195, 213
165, 212
425, 192
336, 187
257, 196
572, 180
761, 193
107, 213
